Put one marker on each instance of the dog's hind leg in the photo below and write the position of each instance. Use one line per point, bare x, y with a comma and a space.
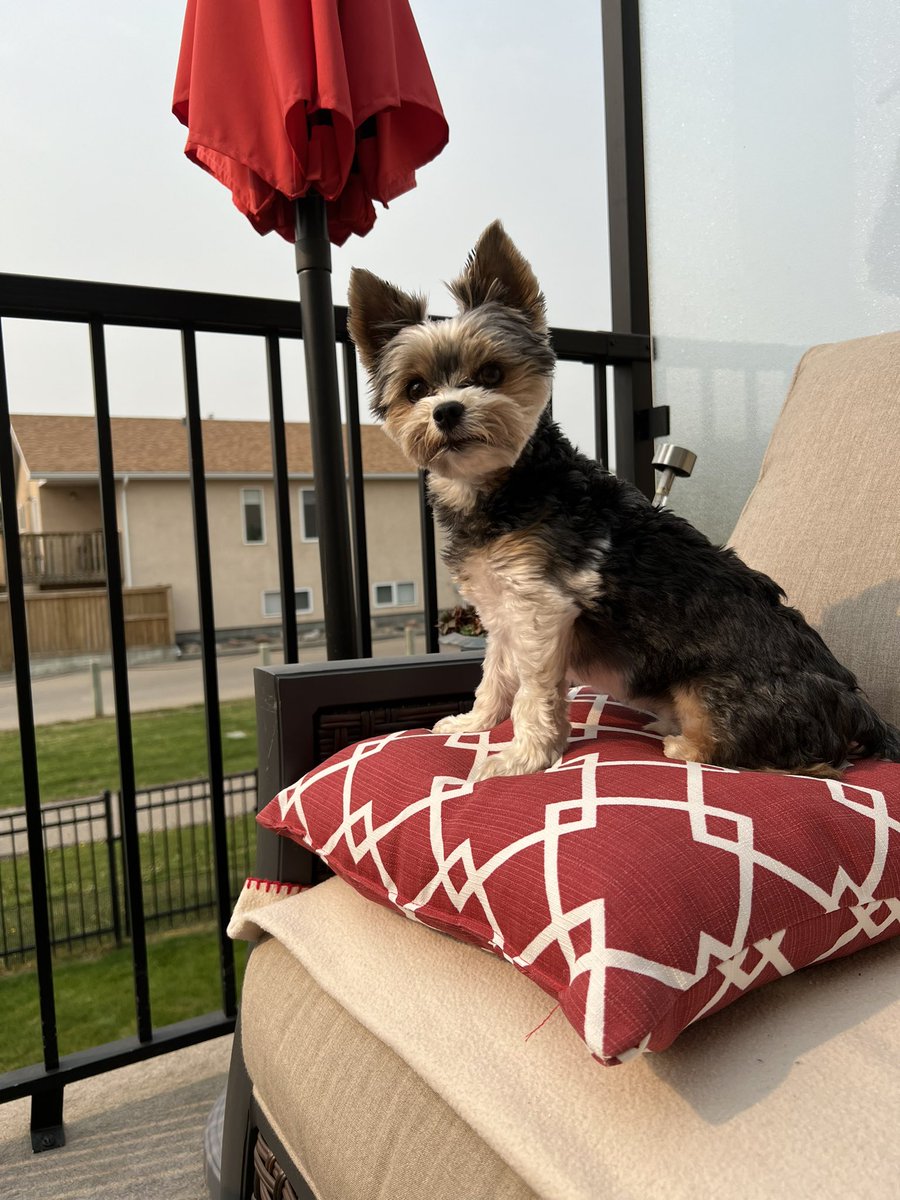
697, 741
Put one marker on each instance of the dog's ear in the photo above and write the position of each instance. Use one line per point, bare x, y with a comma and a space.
496, 270
378, 311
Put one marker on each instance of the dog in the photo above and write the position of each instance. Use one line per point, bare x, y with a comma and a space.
576, 576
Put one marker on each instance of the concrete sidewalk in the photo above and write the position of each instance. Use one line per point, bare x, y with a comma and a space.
156, 685
131, 1134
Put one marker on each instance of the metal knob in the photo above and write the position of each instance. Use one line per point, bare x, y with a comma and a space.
672, 462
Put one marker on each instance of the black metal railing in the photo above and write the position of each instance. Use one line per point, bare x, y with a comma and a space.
83, 853
98, 306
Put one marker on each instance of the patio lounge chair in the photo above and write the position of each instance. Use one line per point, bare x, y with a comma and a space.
378, 1058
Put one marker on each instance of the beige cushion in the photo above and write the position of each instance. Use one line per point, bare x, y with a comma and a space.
793, 1091
823, 520
358, 1122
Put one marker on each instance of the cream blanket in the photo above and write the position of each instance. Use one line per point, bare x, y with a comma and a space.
794, 1091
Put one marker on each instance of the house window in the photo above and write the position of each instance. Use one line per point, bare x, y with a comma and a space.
271, 602
253, 516
309, 522
394, 595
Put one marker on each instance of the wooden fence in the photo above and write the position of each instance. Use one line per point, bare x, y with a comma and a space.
66, 624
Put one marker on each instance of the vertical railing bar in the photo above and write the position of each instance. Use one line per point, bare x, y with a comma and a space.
20, 914
357, 502
113, 873
130, 839
51, 903
167, 857
194, 859
626, 208
66, 922
243, 870
179, 825
156, 855
282, 499
210, 672
210, 865
27, 741
429, 568
153, 874
76, 848
159, 911
3, 952
601, 417
250, 824
92, 849
240, 826
229, 798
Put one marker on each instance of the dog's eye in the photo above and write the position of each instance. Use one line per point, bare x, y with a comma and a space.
416, 389
490, 375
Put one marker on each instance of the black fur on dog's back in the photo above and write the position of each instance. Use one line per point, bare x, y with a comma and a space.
675, 611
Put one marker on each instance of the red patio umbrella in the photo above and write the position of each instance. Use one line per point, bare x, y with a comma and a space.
284, 96
309, 111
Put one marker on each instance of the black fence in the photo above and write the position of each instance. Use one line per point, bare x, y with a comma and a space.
622, 420
628, 423
84, 867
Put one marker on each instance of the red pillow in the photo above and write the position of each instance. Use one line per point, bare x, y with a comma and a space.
640, 892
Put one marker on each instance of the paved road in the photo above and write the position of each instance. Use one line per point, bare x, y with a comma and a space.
156, 685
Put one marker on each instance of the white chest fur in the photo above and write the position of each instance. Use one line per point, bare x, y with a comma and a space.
529, 616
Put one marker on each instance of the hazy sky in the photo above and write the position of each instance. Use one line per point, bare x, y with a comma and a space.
773, 159
95, 186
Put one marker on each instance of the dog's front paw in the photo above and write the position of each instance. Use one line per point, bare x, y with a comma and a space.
681, 747
461, 723
515, 760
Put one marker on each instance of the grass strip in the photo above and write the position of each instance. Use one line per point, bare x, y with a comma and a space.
95, 996
80, 758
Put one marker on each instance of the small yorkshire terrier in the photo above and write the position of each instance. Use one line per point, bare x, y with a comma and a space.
576, 577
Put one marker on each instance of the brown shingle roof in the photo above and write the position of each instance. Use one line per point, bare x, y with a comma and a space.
68, 445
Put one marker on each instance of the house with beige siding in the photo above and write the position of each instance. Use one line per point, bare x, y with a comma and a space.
58, 494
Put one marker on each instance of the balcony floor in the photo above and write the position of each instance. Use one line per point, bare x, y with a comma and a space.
133, 1133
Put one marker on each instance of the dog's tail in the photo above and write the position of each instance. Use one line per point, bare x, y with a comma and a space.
889, 746
869, 736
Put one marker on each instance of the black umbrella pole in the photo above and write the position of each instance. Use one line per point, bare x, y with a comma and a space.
313, 252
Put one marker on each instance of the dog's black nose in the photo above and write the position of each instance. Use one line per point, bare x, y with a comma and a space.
448, 415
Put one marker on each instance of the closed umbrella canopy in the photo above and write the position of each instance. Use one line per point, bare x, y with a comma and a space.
308, 111
284, 97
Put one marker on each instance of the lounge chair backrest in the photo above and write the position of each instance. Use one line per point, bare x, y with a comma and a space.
824, 517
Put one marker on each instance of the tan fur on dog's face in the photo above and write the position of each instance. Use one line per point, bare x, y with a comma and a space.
494, 359
450, 357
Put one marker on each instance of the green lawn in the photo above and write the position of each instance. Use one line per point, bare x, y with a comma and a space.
95, 997
93, 983
79, 758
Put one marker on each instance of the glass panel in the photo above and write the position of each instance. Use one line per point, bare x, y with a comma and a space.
308, 515
272, 604
253, 515
773, 205
303, 600
384, 593
406, 593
